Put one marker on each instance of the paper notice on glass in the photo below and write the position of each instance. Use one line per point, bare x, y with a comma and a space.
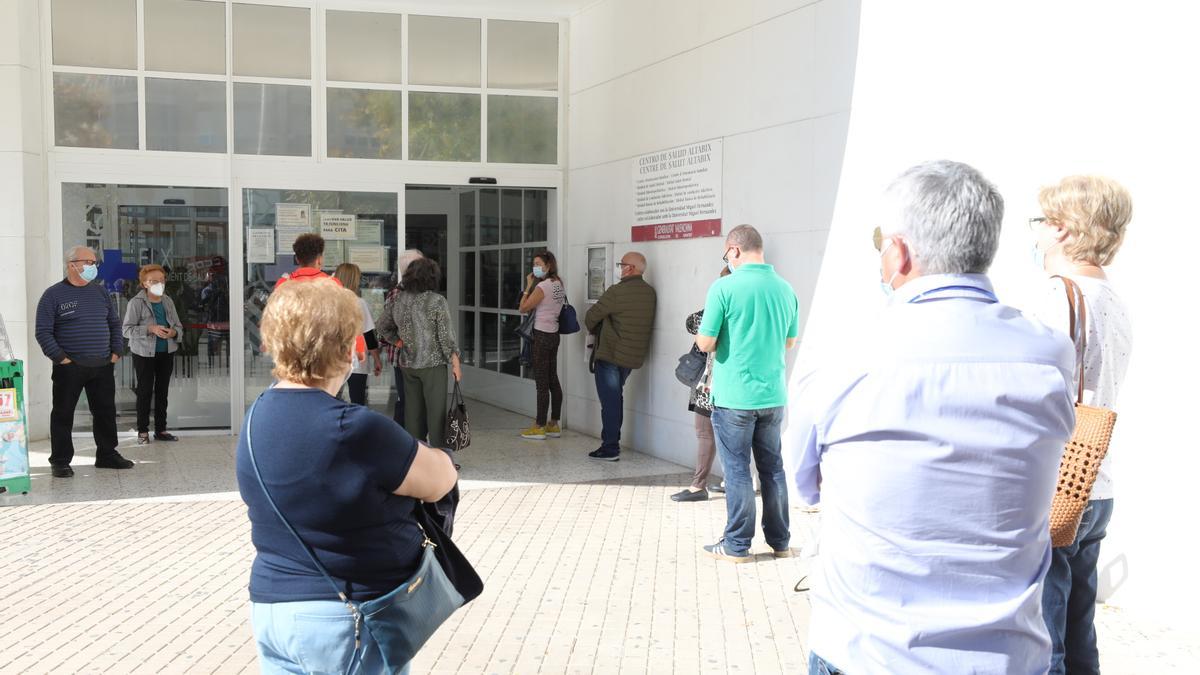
335, 254
291, 221
370, 232
338, 226
369, 258
260, 245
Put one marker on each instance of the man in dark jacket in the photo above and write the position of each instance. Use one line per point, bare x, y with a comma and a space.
624, 319
79, 330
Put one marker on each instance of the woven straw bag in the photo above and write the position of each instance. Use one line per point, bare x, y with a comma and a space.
1088, 445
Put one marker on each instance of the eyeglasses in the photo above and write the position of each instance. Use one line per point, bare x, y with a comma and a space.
1037, 221
725, 258
624, 264
86, 261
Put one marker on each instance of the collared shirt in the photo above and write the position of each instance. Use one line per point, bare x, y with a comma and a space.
934, 456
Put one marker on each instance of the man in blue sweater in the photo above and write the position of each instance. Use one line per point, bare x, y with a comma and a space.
79, 330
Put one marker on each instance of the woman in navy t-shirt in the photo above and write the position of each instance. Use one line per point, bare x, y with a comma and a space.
346, 478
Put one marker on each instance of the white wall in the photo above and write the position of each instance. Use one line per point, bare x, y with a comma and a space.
23, 193
773, 79
1029, 92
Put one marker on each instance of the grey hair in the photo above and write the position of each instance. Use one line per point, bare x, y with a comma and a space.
746, 238
69, 254
949, 215
405, 259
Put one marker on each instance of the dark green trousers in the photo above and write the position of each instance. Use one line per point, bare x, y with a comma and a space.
425, 404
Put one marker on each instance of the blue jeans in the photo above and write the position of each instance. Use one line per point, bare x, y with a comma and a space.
610, 387
819, 666
740, 432
1069, 594
314, 636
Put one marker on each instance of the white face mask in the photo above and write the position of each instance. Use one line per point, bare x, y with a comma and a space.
886, 286
157, 289
617, 272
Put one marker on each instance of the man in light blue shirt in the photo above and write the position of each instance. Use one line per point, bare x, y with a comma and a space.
935, 454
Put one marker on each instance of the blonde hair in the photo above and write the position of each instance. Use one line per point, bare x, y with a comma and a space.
309, 328
1094, 210
350, 276
147, 270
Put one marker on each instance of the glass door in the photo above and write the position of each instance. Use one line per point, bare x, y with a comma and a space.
186, 230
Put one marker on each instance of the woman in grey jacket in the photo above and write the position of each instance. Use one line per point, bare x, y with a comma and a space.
153, 329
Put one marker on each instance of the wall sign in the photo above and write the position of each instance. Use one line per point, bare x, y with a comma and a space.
291, 221
260, 245
677, 193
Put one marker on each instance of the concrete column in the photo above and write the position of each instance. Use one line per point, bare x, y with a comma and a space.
25, 257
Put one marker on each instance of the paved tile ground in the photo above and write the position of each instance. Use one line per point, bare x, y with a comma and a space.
590, 568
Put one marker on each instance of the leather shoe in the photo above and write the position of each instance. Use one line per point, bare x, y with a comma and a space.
689, 496
62, 471
113, 461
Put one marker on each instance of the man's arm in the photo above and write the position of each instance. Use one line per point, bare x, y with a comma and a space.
706, 344
44, 331
598, 312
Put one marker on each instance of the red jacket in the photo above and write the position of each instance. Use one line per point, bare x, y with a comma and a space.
302, 273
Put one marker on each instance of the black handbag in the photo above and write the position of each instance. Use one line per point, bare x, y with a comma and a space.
403, 620
458, 424
691, 367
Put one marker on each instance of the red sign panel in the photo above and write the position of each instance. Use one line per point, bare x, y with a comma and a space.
685, 230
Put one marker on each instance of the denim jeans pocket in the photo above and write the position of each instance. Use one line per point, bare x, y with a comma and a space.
323, 643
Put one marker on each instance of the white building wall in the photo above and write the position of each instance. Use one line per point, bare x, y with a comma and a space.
773, 79
1030, 92
24, 247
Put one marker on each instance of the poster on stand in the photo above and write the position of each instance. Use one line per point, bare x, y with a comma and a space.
291, 221
677, 193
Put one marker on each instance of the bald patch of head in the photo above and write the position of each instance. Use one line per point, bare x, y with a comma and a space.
637, 260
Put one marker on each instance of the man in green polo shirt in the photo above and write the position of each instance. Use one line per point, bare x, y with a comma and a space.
751, 318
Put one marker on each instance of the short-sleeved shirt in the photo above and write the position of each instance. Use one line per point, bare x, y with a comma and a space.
752, 313
160, 317
331, 468
546, 313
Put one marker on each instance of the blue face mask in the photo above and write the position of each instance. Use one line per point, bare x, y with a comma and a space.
89, 272
1039, 257
886, 286
539, 272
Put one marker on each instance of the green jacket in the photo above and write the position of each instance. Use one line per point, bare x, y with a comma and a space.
624, 317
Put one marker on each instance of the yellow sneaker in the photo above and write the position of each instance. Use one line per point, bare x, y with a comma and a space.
534, 433
553, 430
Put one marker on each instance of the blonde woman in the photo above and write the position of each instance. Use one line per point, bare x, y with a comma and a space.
344, 476
153, 329
350, 277
1078, 234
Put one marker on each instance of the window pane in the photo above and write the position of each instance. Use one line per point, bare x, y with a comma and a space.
272, 119
443, 127
185, 115
466, 210
510, 345
95, 111
522, 55
94, 34
512, 274
443, 51
365, 123
489, 217
363, 47
522, 130
536, 208
271, 41
491, 340
185, 36
510, 216
489, 279
468, 279
466, 343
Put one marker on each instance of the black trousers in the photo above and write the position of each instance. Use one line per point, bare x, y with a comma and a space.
68, 382
358, 388
153, 383
545, 376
